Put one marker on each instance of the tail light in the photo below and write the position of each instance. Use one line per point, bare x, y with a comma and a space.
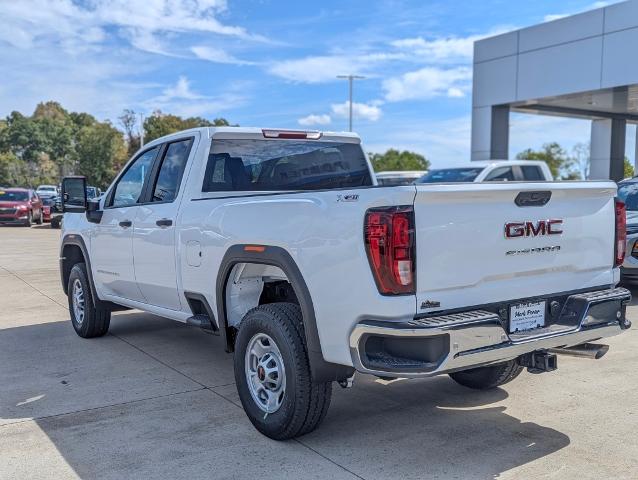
621, 233
389, 240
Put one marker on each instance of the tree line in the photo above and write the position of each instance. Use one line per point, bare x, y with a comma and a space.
53, 142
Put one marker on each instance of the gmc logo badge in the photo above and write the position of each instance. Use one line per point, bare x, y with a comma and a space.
533, 229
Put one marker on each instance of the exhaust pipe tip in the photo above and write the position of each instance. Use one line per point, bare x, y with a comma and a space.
595, 351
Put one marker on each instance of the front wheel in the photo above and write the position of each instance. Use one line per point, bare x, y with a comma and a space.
29, 220
40, 218
272, 373
88, 315
485, 378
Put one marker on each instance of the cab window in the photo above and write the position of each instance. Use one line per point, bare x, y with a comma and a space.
531, 174
129, 187
500, 174
171, 171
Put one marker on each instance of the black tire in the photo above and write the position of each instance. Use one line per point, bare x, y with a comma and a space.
97, 318
485, 378
55, 222
305, 403
29, 220
39, 220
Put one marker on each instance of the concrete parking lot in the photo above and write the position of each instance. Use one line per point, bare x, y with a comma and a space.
156, 399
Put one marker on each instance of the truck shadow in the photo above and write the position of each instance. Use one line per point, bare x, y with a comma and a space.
137, 397
634, 292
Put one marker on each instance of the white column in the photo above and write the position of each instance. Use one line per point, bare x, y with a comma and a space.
607, 149
490, 133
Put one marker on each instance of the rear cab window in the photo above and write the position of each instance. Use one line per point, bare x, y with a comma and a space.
280, 165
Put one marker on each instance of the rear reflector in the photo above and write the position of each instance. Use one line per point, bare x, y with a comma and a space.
621, 233
389, 240
292, 134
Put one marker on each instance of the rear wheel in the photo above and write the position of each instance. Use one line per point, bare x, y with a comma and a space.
273, 376
485, 378
88, 316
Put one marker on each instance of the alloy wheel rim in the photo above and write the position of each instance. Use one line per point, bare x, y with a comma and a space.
265, 373
77, 295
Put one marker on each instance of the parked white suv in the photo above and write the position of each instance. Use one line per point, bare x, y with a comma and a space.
491, 171
282, 243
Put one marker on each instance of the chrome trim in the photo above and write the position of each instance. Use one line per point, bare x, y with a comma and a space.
482, 343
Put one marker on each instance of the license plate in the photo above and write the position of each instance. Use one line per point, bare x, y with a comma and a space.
527, 316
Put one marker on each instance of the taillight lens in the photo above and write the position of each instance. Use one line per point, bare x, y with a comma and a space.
621, 233
389, 240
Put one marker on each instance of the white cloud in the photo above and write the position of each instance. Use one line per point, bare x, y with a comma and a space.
364, 111
314, 69
181, 90
312, 119
441, 49
180, 99
428, 82
217, 55
95, 53
558, 16
75, 25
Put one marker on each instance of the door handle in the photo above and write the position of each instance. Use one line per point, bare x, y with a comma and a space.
164, 222
125, 223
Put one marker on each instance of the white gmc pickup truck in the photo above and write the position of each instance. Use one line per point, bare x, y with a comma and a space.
282, 243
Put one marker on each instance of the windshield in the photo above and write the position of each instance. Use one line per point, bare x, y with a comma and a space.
450, 175
13, 196
46, 189
628, 193
270, 165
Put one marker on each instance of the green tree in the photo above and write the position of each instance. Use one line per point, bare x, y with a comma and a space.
629, 169
13, 171
128, 121
554, 155
395, 160
160, 124
100, 153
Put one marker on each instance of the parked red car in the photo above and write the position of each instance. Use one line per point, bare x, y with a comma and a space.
20, 205
48, 207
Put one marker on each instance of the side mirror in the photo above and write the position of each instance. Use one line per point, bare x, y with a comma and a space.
93, 212
74, 194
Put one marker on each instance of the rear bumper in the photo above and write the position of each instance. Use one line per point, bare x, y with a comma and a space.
445, 343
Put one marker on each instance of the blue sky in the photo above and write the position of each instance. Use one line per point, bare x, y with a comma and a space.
274, 63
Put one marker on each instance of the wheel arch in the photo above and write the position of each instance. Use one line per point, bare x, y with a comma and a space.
280, 258
72, 251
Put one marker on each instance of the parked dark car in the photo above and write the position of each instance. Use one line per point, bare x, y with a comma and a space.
20, 206
628, 193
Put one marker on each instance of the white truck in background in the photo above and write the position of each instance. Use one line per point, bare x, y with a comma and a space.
282, 243
491, 171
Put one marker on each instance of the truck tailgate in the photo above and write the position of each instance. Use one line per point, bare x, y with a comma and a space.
465, 258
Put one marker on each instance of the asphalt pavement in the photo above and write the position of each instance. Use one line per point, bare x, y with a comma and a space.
156, 399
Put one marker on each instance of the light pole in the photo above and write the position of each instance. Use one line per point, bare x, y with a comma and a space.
141, 130
350, 81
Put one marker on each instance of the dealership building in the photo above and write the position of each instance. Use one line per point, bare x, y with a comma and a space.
583, 66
